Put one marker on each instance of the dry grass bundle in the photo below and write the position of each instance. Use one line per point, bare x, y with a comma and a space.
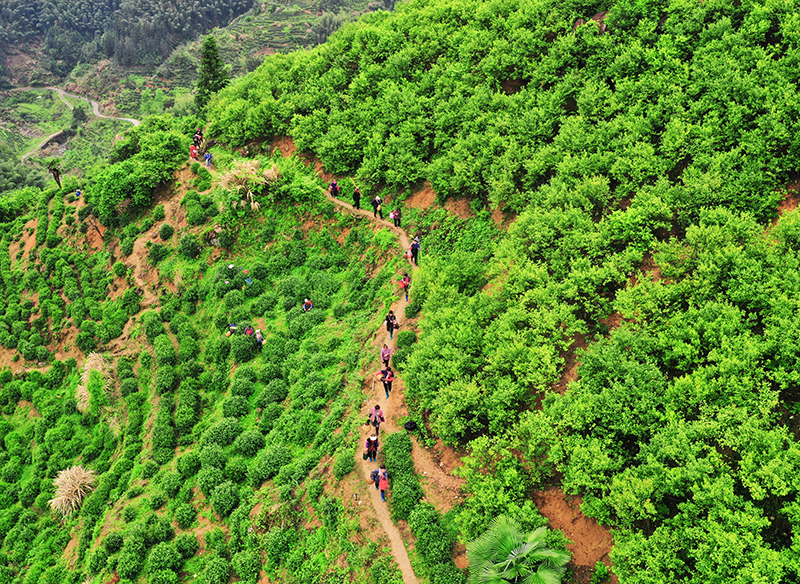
94, 362
72, 485
272, 174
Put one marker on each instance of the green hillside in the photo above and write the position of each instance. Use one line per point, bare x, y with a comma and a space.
603, 309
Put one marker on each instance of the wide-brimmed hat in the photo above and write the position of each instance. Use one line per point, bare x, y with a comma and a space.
373, 437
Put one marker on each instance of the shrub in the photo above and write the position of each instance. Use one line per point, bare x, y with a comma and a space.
195, 214
314, 488
330, 509
128, 386
129, 514
157, 252
225, 498
185, 515
212, 455
208, 479
171, 484
164, 350
188, 464
129, 564
343, 463
233, 299
275, 392
247, 566
236, 470
164, 556
406, 339
125, 246
217, 571
242, 386
446, 573
163, 577
158, 213
166, 231
267, 464
236, 406
119, 269
98, 561
433, 541
149, 469
166, 379
113, 543
157, 501
243, 348
189, 246
249, 443
218, 349
224, 433
187, 545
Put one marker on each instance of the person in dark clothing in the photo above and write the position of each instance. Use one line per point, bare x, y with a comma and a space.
397, 216
334, 188
377, 207
387, 377
375, 477
391, 323
415, 252
372, 448
357, 198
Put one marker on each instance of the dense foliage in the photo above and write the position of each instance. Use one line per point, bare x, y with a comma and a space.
505, 102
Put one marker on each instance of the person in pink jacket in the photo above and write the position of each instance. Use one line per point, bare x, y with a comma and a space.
386, 353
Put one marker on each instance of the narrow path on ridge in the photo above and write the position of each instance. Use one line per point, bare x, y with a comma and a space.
390, 407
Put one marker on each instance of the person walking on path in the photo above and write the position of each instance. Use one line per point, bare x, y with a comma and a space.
371, 447
357, 198
391, 323
396, 216
405, 284
386, 353
377, 207
208, 159
376, 417
375, 477
334, 189
383, 482
387, 377
415, 251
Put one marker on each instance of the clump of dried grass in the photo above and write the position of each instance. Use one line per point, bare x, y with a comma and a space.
72, 486
94, 362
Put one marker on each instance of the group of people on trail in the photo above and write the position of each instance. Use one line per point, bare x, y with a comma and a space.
197, 143
248, 331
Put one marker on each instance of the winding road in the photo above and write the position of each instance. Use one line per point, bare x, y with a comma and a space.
61, 95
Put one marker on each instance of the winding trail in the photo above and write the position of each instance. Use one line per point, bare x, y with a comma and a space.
61, 94
390, 407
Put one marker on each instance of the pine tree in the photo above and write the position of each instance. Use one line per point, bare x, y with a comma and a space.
212, 75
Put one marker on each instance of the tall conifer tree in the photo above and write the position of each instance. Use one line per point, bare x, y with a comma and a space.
212, 75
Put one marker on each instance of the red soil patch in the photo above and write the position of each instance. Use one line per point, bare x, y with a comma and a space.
28, 241
591, 541
612, 321
790, 200
71, 551
422, 199
33, 413
459, 207
571, 363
